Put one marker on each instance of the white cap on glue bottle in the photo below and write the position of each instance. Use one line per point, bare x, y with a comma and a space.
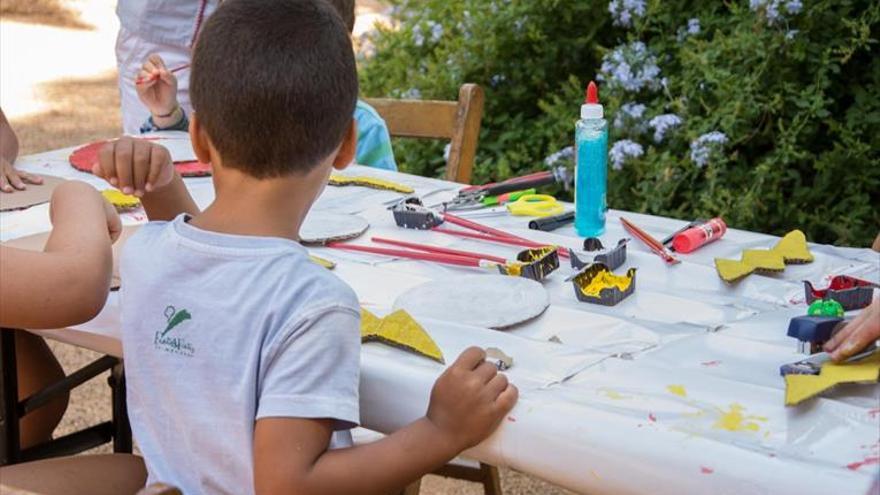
591, 109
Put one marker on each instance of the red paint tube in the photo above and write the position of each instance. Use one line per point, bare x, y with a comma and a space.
698, 236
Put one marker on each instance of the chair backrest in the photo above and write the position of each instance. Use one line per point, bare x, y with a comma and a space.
433, 119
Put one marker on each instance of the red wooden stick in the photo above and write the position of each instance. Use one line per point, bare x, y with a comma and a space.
415, 255
514, 241
437, 249
479, 227
653, 244
142, 80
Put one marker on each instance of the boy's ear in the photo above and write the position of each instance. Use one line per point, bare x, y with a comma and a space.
349, 146
200, 142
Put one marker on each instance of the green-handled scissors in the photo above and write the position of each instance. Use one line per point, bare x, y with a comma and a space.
535, 205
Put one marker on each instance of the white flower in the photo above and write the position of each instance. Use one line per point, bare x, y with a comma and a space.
436, 31
622, 150
412, 94
624, 11
703, 146
773, 9
693, 26
663, 123
630, 114
566, 153
630, 67
418, 37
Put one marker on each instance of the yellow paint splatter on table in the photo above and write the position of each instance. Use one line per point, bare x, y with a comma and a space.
612, 394
735, 420
678, 390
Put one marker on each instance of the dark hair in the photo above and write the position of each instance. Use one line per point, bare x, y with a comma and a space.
345, 8
274, 83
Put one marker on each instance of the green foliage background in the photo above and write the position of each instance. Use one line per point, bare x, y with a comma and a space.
799, 101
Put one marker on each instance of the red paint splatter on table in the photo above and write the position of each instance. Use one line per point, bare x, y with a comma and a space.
711, 363
706, 470
854, 466
511, 419
652, 418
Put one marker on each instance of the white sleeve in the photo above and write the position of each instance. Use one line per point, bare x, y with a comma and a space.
313, 369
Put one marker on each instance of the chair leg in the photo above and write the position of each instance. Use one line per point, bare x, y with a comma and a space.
122, 442
10, 442
491, 479
413, 488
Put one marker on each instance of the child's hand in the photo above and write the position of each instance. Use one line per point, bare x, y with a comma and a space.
857, 334
470, 399
134, 166
77, 199
114, 224
157, 88
12, 180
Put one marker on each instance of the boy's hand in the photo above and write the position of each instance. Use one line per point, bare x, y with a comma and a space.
134, 166
157, 88
12, 180
114, 224
857, 334
76, 199
470, 399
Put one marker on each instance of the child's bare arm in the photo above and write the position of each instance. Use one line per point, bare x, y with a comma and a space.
145, 169
467, 403
69, 281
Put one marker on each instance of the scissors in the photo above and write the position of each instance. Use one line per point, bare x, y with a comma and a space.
535, 205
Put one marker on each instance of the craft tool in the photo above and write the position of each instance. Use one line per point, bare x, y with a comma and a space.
813, 331
548, 224
497, 200
653, 244
813, 364
497, 357
527, 205
471, 196
800, 387
591, 169
612, 258
142, 80
598, 285
699, 235
851, 292
412, 214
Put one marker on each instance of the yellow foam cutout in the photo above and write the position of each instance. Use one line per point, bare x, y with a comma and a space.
370, 182
400, 330
763, 259
678, 390
732, 270
793, 247
323, 262
799, 388
606, 280
120, 200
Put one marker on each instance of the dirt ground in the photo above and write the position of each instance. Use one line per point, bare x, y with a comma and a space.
50, 108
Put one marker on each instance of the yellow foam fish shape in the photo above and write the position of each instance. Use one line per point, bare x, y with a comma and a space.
120, 200
370, 182
799, 388
792, 248
400, 330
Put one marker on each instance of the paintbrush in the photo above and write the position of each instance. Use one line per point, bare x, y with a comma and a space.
653, 244
142, 80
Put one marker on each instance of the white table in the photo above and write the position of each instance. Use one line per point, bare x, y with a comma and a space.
595, 413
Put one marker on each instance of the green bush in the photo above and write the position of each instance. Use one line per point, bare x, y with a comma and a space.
765, 112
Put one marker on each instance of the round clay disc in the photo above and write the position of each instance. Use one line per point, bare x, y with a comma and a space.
85, 157
489, 301
322, 227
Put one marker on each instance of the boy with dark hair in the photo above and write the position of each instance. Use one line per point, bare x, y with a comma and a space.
158, 92
242, 356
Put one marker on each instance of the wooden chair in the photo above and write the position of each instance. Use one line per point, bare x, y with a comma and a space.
876, 246
433, 119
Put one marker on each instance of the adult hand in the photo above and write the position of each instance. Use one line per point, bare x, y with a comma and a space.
157, 86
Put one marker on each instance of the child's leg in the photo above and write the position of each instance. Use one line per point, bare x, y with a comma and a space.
110, 474
37, 368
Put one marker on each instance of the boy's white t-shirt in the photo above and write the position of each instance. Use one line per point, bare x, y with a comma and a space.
221, 330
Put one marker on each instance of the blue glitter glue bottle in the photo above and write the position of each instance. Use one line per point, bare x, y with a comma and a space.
591, 152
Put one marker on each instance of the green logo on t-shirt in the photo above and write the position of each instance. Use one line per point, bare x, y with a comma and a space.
176, 345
